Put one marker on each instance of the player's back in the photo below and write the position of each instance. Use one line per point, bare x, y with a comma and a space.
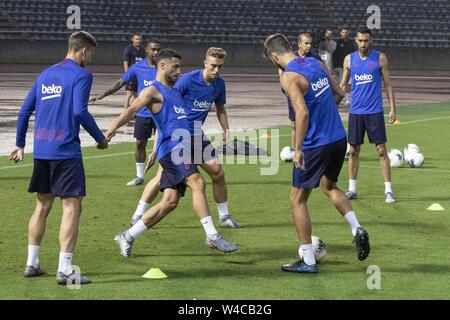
325, 124
56, 126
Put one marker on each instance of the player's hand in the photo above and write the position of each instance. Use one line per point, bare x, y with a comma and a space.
96, 98
103, 144
298, 160
151, 161
110, 134
16, 154
392, 117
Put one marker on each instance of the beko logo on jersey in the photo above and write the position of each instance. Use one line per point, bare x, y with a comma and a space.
322, 84
363, 77
180, 110
148, 83
53, 90
202, 105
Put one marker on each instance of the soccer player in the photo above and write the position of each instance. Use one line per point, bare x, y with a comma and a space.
167, 107
144, 72
201, 89
367, 67
320, 145
59, 98
132, 54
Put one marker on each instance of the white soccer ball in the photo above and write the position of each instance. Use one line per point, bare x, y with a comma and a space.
410, 147
287, 154
415, 159
396, 158
319, 247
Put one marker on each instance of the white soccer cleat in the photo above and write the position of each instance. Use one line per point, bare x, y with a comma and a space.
390, 197
124, 245
229, 222
135, 182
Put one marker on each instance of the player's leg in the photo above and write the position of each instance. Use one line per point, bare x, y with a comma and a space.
200, 205
356, 131
148, 196
215, 170
142, 132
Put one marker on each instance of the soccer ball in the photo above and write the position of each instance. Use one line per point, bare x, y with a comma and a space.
287, 154
415, 159
396, 158
411, 147
319, 247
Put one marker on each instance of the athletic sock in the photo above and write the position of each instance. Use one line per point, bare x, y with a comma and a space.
308, 254
135, 231
209, 227
65, 263
223, 209
352, 221
141, 208
140, 167
352, 185
387, 187
33, 255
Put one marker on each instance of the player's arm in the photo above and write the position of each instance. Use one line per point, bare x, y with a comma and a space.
295, 87
337, 90
223, 120
388, 86
345, 72
115, 87
125, 66
25, 112
152, 154
145, 98
126, 58
81, 90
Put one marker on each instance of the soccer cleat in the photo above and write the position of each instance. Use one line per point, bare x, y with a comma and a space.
390, 197
361, 240
31, 271
124, 245
135, 182
300, 267
220, 244
229, 222
351, 195
135, 219
73, 278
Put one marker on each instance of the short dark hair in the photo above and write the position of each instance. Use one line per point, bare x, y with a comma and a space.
277, 43
167, 54
343, 26
327, 29
364, 29
81, 39
153, 40
136, 34
304, 34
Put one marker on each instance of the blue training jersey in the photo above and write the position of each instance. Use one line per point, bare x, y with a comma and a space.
59, 97
171, 117
325, 124
145, 74
199, 96
366, 83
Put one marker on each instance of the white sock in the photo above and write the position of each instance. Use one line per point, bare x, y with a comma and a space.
308, 254
387, 187
141, 208
65, 263
352, 221
209, 227
223, 209
352, 185
136, 230
140, 167
33, 255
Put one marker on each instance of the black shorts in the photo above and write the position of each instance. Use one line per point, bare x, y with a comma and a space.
143, 128
373, 123
61, 178
131, 86
325, 160
174, 175
201, 149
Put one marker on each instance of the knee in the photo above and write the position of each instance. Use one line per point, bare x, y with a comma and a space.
198, 184
170, 204
141, 144
218, 175
354, 152
381, 151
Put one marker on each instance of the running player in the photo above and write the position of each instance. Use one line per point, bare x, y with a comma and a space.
144, 72
59, 98
201, 89
320, 145
367, 67
167, 107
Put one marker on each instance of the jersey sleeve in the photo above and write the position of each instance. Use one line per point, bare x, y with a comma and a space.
182, 84
81, 91
129, 75
222, 96
126, 54
25, 112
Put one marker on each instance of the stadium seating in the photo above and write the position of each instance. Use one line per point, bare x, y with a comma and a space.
415, 23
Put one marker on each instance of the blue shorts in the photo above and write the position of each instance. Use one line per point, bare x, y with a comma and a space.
325, 160
143, 128
61, 178
174, 176
201, 149
373, 123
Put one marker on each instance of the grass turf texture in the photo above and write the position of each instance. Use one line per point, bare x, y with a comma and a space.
409, 243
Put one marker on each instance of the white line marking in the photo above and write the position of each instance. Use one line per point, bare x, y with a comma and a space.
358, 83
323, 90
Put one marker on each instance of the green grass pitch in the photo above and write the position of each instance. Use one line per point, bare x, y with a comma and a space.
410, 244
